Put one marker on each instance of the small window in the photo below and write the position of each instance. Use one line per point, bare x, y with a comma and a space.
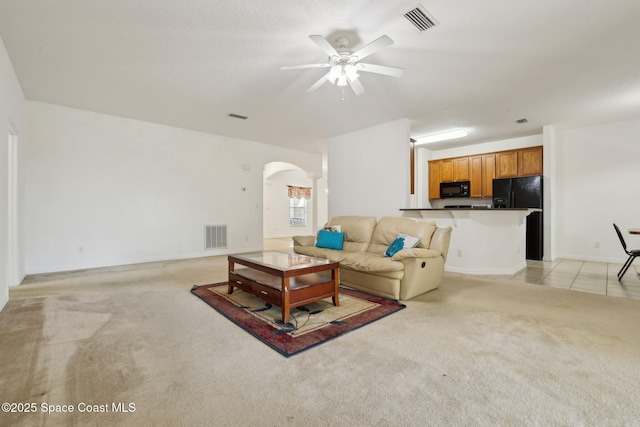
297, 212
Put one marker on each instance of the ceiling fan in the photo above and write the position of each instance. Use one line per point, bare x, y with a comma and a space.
344, 65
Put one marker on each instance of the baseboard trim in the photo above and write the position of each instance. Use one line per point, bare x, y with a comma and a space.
489, 271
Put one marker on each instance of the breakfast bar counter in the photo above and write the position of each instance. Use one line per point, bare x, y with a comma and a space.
484, 241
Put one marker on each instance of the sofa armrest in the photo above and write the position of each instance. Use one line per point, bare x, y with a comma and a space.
304, 240
440, 241
415, 253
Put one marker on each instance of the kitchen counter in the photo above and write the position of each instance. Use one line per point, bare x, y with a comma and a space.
485, 241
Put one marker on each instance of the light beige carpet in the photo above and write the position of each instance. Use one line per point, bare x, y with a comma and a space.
474, 352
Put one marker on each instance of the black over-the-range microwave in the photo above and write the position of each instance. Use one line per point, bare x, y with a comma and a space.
454, 189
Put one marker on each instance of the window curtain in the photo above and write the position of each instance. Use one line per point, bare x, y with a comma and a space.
298, 192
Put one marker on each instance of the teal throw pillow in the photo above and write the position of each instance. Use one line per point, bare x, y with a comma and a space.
395, 246
330, 240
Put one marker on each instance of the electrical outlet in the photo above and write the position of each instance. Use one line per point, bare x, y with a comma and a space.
460, 253
596, 245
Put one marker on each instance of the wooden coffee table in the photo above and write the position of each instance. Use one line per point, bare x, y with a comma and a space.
283, 279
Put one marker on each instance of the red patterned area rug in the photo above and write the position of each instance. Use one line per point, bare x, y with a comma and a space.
309, 325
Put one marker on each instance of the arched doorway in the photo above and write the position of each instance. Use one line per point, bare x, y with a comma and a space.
284, 216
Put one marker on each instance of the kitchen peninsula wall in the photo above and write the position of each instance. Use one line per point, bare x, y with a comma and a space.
477, 230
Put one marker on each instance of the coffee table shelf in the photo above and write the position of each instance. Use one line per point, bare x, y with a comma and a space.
284, 280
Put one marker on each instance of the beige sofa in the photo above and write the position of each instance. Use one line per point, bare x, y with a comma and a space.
363, 265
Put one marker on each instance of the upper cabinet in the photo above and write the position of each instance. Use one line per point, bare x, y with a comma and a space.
488, 174
446, 170
507, 164
530, 161
434, 179
481, 169
522, 162
461, 169
475, 178
453, 170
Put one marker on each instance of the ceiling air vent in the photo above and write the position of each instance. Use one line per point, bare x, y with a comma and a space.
238, 116
420, 18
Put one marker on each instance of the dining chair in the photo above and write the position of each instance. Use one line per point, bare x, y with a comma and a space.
633, 253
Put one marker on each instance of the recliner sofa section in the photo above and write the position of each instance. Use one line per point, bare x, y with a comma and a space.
364, 266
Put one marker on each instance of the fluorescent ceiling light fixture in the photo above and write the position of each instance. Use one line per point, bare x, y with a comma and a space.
442, 136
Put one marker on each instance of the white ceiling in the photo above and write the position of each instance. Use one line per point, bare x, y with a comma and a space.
189, 63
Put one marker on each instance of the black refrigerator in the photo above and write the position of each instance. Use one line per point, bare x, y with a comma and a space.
524, 192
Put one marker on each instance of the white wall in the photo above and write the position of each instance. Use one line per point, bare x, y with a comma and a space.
276, 204
12, 119
489, 147
598, 169
369, 171
550, 191
322, 197
105, 190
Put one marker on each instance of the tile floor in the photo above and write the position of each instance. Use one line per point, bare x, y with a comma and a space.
585, 276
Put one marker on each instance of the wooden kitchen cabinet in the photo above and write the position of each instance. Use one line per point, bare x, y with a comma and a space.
434, 179
507, 164
488, 174
475, 177
446, 170
521, 162
461, 169
530, 161
481, 169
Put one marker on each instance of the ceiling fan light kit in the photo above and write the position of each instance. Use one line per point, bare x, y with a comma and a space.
344, 65
342, 74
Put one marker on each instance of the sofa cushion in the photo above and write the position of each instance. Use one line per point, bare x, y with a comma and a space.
357, 231
388, 228
304, 240
370, 262
330, 254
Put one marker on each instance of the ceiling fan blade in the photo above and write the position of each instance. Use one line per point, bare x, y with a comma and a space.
295, 67
319, 83
380, 69
357, 87
324, 45
373, 47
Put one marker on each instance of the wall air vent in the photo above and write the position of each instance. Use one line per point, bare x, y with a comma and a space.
215, 236
420, 18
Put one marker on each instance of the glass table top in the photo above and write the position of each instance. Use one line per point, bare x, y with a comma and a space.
281, 260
